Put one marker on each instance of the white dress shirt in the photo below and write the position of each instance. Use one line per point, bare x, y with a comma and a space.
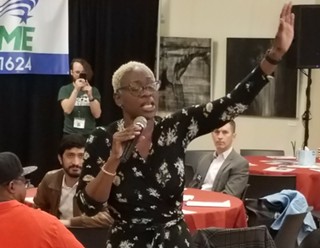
66, 200
214, 168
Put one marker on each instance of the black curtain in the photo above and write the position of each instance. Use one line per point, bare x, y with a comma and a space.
106, 33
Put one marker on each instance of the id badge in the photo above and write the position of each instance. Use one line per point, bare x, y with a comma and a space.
79, 123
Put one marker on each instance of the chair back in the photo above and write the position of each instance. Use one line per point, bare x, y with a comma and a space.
257, 237
262, 185
193, 157
189, 173
261, 152
91, 237
312, 240
244, 192
287, 235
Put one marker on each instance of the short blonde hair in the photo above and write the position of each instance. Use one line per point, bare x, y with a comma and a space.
123, 69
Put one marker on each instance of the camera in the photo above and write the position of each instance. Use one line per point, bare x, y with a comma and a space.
83, 75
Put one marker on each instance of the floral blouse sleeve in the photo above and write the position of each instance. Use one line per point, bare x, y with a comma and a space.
96, 153
202, 119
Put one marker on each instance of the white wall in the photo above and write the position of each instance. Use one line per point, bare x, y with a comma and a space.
217, 19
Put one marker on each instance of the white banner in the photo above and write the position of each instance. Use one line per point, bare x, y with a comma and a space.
34, 37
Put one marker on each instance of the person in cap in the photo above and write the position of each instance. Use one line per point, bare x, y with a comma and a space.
20, 225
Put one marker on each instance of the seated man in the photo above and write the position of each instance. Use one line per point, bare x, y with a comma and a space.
224, 171
20, 225
56, 191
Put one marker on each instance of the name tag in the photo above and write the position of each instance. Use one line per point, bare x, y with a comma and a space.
79, 123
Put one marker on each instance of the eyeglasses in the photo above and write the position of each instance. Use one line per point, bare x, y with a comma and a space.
24, 180
137, 89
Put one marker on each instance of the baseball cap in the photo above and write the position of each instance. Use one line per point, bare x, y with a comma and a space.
11, 168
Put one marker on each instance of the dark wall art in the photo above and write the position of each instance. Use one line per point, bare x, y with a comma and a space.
184, 70
279, 97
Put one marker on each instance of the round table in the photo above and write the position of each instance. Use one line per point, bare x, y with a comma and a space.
31, 192
307, 180
204, 217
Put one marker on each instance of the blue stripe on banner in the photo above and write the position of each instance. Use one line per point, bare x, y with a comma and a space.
33, 63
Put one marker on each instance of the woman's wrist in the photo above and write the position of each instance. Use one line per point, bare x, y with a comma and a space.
109, 173
273, 57
266, 67
110, 166
270, 61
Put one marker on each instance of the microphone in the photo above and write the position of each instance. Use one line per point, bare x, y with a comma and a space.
129, 148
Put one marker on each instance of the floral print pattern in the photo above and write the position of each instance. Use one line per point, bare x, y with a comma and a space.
146, 196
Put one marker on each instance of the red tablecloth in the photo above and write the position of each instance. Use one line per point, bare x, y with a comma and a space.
31, 192
204, 217
308, 181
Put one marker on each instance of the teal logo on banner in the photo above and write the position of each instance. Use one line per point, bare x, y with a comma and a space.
34, 37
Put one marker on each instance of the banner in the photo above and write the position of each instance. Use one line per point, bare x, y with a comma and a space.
34, 37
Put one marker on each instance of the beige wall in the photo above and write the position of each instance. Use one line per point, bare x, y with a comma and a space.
218, 20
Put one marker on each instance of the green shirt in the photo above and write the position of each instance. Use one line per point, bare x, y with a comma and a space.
81, 110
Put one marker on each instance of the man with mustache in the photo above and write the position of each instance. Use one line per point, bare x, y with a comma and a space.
56, 191
224, 170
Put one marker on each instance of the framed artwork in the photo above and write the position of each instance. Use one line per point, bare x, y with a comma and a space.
184, 71
279, 97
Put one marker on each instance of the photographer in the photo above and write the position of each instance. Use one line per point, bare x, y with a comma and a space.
79, 100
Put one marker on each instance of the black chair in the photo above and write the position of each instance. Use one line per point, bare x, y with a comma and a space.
244, 192
261, 152
316, 217
194, 156
287, 235
257, 237
262, 185
189, 173
312, 240
91, 237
